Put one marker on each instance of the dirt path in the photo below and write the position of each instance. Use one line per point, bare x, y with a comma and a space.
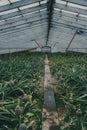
49, 114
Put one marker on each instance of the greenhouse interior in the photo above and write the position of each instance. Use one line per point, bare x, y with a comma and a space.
43, 64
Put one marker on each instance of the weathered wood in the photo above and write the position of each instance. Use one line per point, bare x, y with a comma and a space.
49, 114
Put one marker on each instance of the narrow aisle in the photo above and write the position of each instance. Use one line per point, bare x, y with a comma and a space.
49, 114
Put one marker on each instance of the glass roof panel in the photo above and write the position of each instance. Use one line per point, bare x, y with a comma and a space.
9, 11
12, 1
43, 2
31, 16
3, 2
71, 4
79, 2
28, 6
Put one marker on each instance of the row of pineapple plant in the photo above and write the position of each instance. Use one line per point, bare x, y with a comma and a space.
70, 73
20, 91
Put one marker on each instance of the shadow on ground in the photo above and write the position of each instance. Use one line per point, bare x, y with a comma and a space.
54, 127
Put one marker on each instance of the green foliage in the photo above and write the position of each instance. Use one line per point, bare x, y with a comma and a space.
70, 72
20, 76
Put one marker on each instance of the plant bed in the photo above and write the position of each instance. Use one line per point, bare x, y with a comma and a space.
70, 72
20, 91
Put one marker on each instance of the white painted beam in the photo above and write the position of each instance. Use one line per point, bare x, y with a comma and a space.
79, 2
21, 23
26, 19
40, 25
24, 11
23, 26
70, 20
74, 16
17, 4
70, 8
67, 25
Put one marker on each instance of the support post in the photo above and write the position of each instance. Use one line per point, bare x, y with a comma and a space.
39, 45
71, 41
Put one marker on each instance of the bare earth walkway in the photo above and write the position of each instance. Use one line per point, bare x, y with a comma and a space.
49, 114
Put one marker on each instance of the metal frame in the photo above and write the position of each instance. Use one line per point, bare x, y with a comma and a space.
79, 2
70, 8
17, 4
50, 15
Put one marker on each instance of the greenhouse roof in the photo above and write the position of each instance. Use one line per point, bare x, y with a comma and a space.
28, 24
